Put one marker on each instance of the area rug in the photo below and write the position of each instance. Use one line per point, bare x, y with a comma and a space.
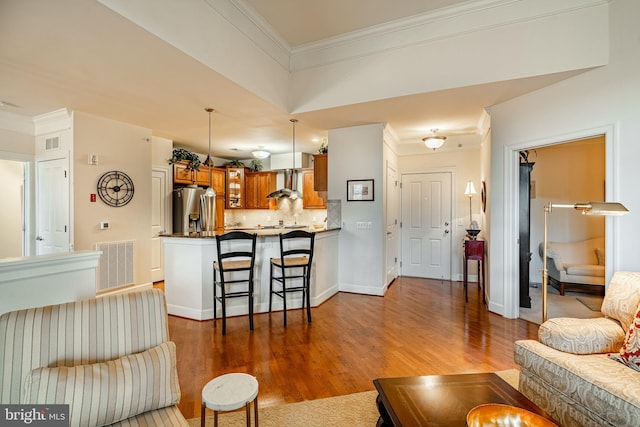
593, 303
354, 410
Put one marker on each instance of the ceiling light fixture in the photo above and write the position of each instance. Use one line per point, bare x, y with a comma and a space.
260, 153
434, 141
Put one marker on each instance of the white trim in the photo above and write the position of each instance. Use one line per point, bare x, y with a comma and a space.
54, 121
17, 123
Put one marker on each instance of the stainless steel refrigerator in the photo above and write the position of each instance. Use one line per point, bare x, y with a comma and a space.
186, 210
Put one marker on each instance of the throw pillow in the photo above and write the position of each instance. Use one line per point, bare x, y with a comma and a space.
600, 256
630, 352
622, 298
104, 393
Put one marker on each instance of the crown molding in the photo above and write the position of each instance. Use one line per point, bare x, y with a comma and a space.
250, 23
470, 17
53, 121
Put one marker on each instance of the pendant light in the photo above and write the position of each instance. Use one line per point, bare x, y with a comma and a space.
209, 192
208, 199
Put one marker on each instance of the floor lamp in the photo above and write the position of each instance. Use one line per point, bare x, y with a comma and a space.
590, 208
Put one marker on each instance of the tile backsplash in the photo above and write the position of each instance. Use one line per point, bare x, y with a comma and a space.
289, 211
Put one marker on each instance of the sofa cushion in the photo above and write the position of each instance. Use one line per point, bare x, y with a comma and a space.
107, 392
629, 354
585, 270
622, 298
582, 252
582, 336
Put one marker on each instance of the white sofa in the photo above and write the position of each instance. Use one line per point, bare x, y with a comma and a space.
576, 265
109, 358
568, 373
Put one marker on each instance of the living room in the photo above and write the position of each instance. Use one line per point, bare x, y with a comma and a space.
601, 101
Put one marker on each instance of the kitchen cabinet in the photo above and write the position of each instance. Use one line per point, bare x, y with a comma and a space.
258, 185
182, 175
236, 187
310, 197
320, 172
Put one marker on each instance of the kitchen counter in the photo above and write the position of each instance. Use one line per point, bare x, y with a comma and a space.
188, 265
260, 231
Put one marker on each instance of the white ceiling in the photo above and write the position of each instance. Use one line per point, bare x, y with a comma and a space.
80, 55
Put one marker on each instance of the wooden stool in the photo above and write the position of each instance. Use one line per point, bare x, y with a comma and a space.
228, 392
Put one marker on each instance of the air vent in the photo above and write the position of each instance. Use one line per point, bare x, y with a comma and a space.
52, 143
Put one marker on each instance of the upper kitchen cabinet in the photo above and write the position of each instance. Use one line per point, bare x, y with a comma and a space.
320, 172
258, 185
183, 175
310, 198
236, 187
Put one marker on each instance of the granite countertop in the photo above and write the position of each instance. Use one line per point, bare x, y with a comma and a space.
260, 231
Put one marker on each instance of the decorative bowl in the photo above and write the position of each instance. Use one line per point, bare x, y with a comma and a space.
473, 233
494, 414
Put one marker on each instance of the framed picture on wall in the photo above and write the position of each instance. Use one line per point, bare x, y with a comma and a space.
360, 190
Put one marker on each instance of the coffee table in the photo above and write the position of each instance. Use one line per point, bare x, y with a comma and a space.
442, 400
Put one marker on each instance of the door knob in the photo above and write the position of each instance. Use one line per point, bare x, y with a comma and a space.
39, 238
446, 231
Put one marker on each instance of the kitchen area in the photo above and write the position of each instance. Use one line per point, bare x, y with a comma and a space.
292, 194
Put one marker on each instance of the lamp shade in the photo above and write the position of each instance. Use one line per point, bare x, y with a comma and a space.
470, 190
605, 208
434, 141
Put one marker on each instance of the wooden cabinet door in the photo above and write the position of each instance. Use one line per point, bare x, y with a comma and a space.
258, 185
201, 176
320, 171
310, 198
182, 175
218, 176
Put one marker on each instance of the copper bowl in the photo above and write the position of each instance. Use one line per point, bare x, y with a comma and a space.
494, 414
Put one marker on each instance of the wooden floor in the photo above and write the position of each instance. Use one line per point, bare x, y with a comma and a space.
420, 327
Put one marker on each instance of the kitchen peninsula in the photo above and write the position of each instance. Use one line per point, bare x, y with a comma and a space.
188, 263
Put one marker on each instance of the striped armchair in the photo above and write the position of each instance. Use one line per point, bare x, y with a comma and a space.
109, 358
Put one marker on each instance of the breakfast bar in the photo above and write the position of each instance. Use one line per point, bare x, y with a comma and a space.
188, 264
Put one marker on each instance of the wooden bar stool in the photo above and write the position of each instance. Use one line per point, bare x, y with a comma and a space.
294, 264
236, 253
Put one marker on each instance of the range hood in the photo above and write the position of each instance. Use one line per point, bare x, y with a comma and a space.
289, 189
290, 175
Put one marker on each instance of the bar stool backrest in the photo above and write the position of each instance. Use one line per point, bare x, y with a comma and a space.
297, 243
232, 251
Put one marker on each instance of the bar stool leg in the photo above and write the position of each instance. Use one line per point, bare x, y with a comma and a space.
284, 298
251, 304
202, 415
215, 418
248, 413
270, 284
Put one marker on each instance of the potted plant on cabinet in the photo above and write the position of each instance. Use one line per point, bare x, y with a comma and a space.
182, 155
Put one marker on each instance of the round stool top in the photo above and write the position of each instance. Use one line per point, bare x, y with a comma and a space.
229, 391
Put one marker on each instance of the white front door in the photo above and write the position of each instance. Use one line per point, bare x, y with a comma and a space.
392, 224
160, 215
426, 225
52, 234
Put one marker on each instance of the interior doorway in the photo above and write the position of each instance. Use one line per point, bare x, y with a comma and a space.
569, 172
14, 215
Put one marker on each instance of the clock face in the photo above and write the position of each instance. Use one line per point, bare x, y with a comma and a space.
115, 188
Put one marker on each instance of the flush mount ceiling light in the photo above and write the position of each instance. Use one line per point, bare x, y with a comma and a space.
434, 141
260, 153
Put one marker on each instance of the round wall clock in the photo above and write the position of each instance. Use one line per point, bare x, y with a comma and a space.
115, 188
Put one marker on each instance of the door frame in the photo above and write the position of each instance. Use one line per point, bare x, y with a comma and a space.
511, 308
454, 214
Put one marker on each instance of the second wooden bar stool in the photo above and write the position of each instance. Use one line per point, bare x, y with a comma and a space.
294, 264
236, 253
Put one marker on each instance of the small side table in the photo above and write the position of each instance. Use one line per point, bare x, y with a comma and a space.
228, 392
474, 251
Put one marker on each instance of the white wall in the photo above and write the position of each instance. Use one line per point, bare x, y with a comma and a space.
601, 101
122, 147
356, 153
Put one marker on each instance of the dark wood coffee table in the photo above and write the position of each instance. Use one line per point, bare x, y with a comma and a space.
442, 400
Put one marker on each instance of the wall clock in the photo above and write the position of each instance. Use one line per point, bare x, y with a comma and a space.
115, 188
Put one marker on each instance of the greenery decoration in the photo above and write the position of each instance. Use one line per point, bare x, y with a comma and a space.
182, 155
324, 148
256, 165
235, 163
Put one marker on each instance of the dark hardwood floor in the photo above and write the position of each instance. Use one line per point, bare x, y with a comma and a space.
421, 327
